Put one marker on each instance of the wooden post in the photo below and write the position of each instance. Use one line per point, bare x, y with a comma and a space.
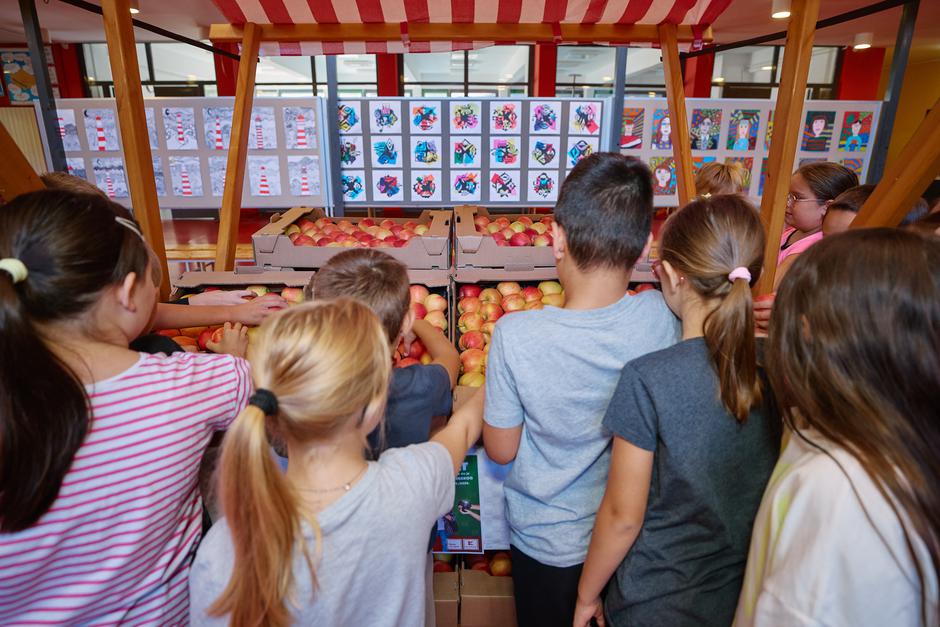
230, 213
787, 126
17, 175
129, 97
675, 95
907, 178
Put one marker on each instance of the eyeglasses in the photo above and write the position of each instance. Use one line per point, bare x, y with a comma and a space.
792, 200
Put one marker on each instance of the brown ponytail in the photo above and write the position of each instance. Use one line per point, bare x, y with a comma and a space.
705, 241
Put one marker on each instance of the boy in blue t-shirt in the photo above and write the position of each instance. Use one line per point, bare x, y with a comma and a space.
416, 394
551, 374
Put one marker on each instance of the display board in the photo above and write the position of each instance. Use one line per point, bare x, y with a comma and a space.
727, 130
189, 141
450, 151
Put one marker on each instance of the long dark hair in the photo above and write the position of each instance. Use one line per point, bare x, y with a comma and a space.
854, 353
73, 248
705, 241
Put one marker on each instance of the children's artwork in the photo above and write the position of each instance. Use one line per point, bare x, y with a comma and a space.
818, 131
264, 176
387, 185
303, 175
425, 152
465, 116
425, 116
662, 130
856, 129
698, 162
706, 124
76, 167
186, 176
349, 113
747, 163
763, 176
217, 168
101, 130
504, 116
585, 118
466, 152
542, 187
770, 129
504, 152
68, 131
218, 127
664, 176
543, 117
350, 152
159, 178
631, 129
299, 128
504, 185
425, 186
352, 183
581, 147
465, 185
742, 129
20, 79
110, 177
856, 165
179, 128
152, 128
263, 135
385, 116
544, 152
386, 152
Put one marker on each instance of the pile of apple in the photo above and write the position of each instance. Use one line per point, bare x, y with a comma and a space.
521, 232
345, 234
497, 564
427, 306
480, 308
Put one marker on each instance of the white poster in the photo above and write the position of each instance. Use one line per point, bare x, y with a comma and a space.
585, 118
76, 167
179, 128
579, 148
385, 117
264, 176
465, 186
505, 152
544, 152
504, 186
263, 131
425, 151
186, 176
350, 152
299, 128
387, 152
426, 185
303, 175
218, 127
387, 185
545, 117
542, 186
159, 178
505, 117
101, 130
349, 114
465, 152
110, 177
425, 116
353, 184
466, 117
68, 131
217, 168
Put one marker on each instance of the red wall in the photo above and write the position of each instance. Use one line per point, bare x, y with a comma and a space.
698, 76
860, 74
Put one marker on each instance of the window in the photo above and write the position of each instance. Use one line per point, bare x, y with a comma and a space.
355, 75
166, 69
754, 72
284, 77
585, 71
434, 74
493, 71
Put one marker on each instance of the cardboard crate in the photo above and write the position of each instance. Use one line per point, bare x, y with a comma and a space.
189, 282
446, 587
274, 250
485, 600
478, 250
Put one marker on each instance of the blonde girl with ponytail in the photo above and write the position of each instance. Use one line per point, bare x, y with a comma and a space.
335, 540
695, 438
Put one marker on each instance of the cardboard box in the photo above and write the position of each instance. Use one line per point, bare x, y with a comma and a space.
478, 250
446, 599
485, 600
189, 282
274, 250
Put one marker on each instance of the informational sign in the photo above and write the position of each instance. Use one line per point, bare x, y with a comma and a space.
460, 530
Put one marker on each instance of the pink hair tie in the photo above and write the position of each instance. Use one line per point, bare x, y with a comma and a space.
739, 273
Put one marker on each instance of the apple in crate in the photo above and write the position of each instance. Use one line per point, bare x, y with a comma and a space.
417, 350
421, 229
407, 361
550, 287
493, 228
520, 239
437, 319
491, 312
259, 290
469, 291
470, 321
419, 293
473, 360
555, 300
643, 287
542, 240
435, 302
490, 295
471, 339
508, 287
501, 565
420, 310
517, 226
530, 294
469, 304
513, 302
293, 295
442, 567
539, 228
481, 222
473, 380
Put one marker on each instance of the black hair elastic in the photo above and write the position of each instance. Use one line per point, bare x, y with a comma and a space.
265, 401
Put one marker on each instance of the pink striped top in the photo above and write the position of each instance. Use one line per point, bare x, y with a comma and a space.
798, 247
117, 544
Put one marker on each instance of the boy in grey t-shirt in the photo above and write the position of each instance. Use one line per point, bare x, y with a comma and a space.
551, 374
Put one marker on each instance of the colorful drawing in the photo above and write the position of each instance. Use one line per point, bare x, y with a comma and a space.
20, 79
299, 128
742, 129
303, 175
179, 128
542, 186
425, 186
465, 186
698, 162
544, 153
856, 130
263, 134
349, 114
662, 130
217, 169
504, 117
101, 130
387, 185
504, 186
505, 152
186, 176
217, 126
544, 117
386, 117
264, 176
350, 152
856, 165
351, 182
425, 117
747, 163
818, 131
585, 118
158, 177
68, 130
465, 151
770, 129
631, 129
580, 148
76, 167
109, 176
386, 151
763, 176
706, 124
424, 151
465, 117
664, 176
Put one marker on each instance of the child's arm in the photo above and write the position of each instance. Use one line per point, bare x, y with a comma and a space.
502, 429
619, 520
252, 312
501, 445
463, 430
440, 349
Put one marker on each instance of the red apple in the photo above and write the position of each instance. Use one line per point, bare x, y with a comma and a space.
539, 228
442, 567
470, 303
473, 360
400, 243
503, 222
437, 319
396, 229
526, 220
532, 233
471, 339
467, 291
550, 287
330, 229
500, 567
520, 239
473, 380
324, 241
493, 227
547, 220
491, 312
410, 224
366, 222
204, 338
304, 240
470, 321
169, 332
490, 295
376, 243
498, 237
405, 235
508, 287
387, 224
301, 225
542, 240
421, 229
507, 233
418, 293
293, 295
420, 310
323, 222
417, 350
643, 287
435, 302
481, 222
502, 242
533, 305
513, 302
530, 294
488, 327
555, 300
407, 361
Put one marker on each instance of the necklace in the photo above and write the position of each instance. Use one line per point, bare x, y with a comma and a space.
346, 487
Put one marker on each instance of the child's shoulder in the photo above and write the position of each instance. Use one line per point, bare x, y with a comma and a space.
188, 365
418, 379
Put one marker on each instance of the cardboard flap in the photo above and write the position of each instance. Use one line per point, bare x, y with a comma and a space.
244, 275
435, 240
468, 240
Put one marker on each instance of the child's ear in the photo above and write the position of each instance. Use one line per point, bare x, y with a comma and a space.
670, 276
559, 241
125, 291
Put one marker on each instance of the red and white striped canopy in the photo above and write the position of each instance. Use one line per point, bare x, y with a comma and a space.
696, 13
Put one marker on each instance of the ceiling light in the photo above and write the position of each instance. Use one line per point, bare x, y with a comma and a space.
766, 68
651, 94
862, 41
718, 79
607, 79
135, 7
780, 9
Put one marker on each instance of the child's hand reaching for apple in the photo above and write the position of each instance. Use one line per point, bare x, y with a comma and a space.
253, 312
233, 340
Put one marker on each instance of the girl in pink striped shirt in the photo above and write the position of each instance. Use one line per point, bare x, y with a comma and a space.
99, 446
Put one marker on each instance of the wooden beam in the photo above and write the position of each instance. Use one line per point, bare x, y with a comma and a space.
787, 130
907, 178
17, 175
675, 95
230, 212
135, 139
534, 33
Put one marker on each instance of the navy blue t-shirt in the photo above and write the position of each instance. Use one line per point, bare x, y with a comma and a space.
416, 395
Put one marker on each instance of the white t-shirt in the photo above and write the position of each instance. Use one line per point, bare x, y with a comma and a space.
818, 557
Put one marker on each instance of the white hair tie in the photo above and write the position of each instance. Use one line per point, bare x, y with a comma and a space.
129, 224
739, 273
15, 268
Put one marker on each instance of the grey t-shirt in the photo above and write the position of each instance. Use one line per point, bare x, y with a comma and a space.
374, 551
553, 372
709, 473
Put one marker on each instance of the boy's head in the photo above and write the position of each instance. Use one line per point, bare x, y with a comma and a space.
372, 277
604, 213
